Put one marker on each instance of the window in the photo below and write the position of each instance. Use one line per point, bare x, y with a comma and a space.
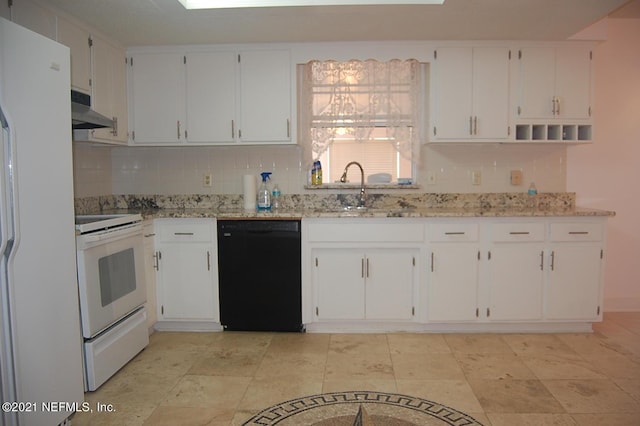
365, 111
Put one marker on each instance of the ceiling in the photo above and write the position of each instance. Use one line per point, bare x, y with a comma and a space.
163, 22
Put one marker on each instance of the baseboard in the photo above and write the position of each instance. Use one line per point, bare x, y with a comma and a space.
622, 304
495, 327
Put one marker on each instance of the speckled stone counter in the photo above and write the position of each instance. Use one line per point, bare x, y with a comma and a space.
314, 206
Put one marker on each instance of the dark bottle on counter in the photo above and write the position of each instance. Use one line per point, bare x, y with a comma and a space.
316, 173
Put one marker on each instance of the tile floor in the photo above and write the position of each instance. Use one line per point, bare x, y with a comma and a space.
500, 379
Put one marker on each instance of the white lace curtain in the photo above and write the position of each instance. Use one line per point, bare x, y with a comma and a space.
348, 100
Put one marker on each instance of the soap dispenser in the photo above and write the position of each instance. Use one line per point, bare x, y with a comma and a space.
264, 195
532, 193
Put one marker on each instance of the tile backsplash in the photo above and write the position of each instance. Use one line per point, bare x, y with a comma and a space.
104, 170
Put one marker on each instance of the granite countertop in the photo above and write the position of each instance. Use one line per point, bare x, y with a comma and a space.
368, 213
315, 205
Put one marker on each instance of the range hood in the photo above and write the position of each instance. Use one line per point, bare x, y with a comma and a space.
82, 116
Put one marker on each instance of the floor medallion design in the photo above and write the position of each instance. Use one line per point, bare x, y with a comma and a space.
348, 408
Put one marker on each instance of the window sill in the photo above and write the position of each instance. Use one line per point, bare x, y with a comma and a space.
366, 185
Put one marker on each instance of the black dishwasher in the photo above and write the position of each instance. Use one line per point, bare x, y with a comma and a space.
259, 271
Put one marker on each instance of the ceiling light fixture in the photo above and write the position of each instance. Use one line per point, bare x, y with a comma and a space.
222, 4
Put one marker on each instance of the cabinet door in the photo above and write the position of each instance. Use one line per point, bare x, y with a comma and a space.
472, 93
453, 93
77, 40
339, 283
491, 93
573, 82
186, 279
150, 273
537, 82
265, 96
109, 95
453, 282
573, 290
210, 97
555, 82
389, 281
157, 98
517, 278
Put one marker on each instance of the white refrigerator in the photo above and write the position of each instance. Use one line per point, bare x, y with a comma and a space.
40, 340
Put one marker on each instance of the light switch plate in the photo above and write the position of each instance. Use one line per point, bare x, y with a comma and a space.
516, 177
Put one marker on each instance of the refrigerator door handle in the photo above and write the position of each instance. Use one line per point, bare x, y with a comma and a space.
6, 137
8, 389
9, 222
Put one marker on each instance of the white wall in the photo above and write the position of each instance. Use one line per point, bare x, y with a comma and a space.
606, 174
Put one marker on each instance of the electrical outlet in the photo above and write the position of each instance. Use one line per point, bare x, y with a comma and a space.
476, 177
516, 177
431, 178
207, 180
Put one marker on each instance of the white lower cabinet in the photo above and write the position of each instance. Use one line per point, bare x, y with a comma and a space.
362, 270
187, 270
353, 284
574, 288
515, 271
150, 265
453, 282
339, 283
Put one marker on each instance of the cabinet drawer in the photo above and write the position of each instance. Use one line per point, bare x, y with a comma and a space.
185, 230
576, 231
508, 232
444, 232
366, 232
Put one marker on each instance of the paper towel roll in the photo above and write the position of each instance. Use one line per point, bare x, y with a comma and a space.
249, 185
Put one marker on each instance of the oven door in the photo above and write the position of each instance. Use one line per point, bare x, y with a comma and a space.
110, 277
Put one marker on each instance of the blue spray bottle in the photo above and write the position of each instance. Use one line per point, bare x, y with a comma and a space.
264, 195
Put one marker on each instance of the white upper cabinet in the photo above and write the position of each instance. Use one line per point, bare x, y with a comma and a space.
211, 97
109, 90
98, 68
471, 94
77, 39
157, 98
554, 83
265, 88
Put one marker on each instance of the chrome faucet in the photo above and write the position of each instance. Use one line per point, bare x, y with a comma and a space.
343, 179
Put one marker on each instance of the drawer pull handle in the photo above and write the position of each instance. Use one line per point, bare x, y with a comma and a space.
183, 233
519, 233
578, 232
454, 233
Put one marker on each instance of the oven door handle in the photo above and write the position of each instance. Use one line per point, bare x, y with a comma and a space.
111, 235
